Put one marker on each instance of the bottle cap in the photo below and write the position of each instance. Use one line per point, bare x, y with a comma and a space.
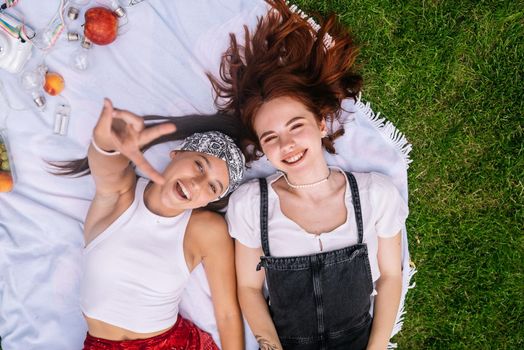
120, 12
85, 43
72, 13
72, 36
39, 101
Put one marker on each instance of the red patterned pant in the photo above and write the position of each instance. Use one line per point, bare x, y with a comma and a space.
184, 335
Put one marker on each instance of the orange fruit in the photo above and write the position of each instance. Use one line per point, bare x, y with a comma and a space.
54, 83
6, 181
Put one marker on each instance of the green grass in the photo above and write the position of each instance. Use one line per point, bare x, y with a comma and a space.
449, 74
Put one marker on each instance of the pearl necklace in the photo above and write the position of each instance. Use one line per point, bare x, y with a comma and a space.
313, 184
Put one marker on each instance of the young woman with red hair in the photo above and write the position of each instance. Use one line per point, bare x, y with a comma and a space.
326, 243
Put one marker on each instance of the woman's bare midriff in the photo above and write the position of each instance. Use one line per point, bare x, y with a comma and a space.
100, 329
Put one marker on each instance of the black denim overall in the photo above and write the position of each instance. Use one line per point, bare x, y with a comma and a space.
319, 301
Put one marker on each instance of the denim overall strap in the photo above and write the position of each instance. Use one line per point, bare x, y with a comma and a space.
264, 211
263, 215
319, 301
356, 205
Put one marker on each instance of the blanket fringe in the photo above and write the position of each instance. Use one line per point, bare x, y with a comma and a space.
402, 311
387, 129
328, 39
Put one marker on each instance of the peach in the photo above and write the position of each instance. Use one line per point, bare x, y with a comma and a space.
54, 84
6, 181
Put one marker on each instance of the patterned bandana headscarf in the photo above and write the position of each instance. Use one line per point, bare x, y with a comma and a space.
221, 146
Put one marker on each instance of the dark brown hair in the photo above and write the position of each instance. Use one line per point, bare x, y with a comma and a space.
186, 125
285, 56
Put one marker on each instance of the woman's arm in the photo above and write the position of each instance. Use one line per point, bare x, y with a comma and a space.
389, 288
215, 249
109, 171
121, 132
252, 301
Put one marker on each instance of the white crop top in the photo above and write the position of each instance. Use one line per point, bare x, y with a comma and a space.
135, 271
383, 212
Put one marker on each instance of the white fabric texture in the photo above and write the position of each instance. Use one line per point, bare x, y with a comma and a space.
135, 271
383, 215
156, 66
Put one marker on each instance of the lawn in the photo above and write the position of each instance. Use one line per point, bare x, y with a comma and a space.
449, 74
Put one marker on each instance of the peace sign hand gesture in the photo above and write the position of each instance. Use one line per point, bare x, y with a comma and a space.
126, 133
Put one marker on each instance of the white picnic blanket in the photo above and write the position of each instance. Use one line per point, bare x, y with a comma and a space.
156, 66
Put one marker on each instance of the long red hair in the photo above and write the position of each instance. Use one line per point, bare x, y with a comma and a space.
286, 56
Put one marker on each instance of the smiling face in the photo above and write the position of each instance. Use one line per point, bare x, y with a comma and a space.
193, 180
290, 135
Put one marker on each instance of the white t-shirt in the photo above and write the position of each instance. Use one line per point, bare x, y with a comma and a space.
383, 213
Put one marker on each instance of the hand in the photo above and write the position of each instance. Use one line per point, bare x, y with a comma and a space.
265, 344
125, 132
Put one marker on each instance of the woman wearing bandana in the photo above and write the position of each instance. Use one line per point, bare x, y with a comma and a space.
143, 238
326, 243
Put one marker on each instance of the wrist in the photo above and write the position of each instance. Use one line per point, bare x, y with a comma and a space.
103, 151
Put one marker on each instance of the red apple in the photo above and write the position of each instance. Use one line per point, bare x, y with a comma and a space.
101, 25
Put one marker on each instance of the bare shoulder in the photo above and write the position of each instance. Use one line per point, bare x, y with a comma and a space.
206, 222
207, 230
